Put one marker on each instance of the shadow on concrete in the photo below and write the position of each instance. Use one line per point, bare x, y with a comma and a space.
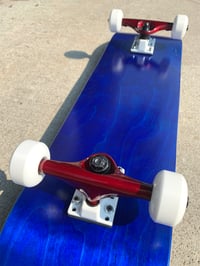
77, 54
8, 195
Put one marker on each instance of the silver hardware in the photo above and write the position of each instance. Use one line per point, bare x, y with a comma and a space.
143, 46
103, 213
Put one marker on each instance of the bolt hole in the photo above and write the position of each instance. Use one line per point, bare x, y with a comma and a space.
109, 208
76, 198
74, 209
107, 219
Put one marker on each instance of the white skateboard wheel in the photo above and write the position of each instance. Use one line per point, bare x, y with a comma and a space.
115, 20
179, 27
25, 161
169, 198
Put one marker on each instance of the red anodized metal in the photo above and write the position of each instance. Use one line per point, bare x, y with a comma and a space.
96, 185
138, 25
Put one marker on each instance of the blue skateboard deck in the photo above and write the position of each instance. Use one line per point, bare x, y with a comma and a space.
128, 109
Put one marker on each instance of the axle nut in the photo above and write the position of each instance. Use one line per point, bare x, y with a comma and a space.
100, 164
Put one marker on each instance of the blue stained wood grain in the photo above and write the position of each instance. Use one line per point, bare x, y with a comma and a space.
128, 109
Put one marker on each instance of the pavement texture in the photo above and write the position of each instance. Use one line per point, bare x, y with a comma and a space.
48, 49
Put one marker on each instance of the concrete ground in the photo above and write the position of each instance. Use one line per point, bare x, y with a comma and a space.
48, 49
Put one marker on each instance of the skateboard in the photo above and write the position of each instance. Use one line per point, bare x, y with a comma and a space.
106, 191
